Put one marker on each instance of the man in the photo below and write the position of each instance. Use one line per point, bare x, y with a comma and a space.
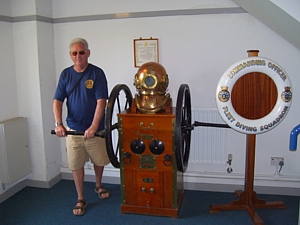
85, 87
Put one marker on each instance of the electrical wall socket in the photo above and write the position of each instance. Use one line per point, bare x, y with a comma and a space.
275, 160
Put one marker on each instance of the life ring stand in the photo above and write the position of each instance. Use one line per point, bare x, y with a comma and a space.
247, 198
227, 82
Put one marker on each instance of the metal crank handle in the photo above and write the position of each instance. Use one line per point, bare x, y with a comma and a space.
98, 134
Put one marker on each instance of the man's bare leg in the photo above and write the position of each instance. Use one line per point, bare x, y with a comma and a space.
98, 174
78, 176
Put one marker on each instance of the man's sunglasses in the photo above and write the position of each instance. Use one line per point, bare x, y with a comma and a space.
80, 53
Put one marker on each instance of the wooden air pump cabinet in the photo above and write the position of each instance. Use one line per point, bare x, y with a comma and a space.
150, 181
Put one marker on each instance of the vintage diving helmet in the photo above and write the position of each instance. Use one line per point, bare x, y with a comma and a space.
151, 82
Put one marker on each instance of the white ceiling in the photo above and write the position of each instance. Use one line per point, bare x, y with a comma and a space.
277, 19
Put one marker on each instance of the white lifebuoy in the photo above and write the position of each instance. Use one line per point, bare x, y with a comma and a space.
236, 71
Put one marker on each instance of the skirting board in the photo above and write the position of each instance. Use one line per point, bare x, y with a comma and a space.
91, 178
10, 192
29, 183
205, 186
232, 188
44, 184
116, 180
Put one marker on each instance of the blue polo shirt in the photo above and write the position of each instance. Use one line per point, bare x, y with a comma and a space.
82, 102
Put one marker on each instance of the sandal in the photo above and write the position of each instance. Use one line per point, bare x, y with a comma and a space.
101, 192
82, 208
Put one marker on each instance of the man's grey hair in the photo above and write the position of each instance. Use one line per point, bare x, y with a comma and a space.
79, 40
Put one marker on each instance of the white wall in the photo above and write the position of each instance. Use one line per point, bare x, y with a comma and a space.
8, 86
28, 81
194, 49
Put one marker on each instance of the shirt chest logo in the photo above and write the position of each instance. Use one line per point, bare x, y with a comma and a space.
89, 84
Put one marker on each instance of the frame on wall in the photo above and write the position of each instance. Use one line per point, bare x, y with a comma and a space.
145, 50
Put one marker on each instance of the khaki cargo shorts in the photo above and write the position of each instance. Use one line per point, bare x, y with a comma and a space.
81, 149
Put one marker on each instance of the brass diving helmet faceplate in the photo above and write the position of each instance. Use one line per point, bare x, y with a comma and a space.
151, 82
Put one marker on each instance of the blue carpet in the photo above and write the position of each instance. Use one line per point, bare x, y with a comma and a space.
33, 206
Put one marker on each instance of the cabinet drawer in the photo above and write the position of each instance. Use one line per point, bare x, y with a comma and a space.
147, 123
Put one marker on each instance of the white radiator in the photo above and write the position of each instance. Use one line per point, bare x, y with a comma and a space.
208, 144
15, 160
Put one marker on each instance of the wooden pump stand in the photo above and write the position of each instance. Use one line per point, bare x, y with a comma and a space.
248, 198
150, 182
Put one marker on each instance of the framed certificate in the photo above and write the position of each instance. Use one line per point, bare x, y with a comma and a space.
145, 50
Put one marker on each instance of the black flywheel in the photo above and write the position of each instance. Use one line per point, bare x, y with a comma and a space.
119, 100
183, 127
